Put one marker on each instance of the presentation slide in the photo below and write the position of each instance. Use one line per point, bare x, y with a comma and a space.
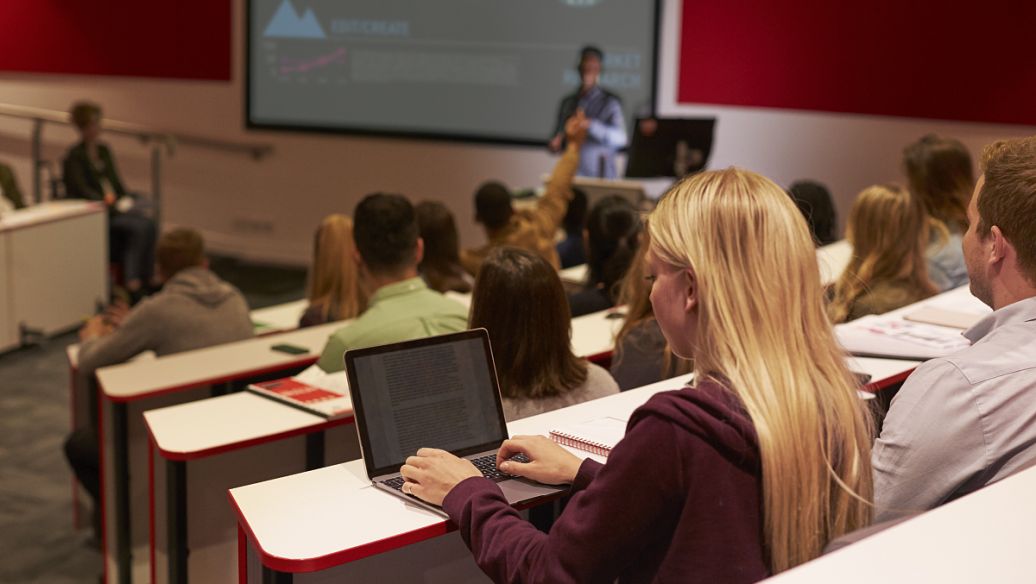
490, 70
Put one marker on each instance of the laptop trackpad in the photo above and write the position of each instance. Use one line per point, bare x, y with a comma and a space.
518, 490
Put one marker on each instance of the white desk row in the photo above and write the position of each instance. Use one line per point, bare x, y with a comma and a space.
863, 336
986, 536
330, 525
129, 389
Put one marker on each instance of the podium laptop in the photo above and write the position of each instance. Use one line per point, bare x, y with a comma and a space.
438, 392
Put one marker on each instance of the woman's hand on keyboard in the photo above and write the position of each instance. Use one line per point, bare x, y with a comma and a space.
433, 473
548, 463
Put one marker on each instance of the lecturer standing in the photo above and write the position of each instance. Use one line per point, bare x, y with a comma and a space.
605, 129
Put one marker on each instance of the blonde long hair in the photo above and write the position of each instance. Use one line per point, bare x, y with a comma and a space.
888, 231
763, 333
334, 282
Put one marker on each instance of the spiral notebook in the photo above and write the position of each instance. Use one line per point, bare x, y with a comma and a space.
595, 436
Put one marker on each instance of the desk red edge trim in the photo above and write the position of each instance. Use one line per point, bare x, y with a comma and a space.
340, 557
185, 456
306, 361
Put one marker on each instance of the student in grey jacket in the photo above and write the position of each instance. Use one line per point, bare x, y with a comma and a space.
194, 309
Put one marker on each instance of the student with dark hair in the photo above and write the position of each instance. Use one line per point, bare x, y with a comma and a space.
440, 267
814, 200
89, 173
939, 172
612, 231
572, 249
529, 229
519, 299
604, 122
400, 306
194, 309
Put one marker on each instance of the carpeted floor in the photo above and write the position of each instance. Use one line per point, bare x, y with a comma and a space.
37, 539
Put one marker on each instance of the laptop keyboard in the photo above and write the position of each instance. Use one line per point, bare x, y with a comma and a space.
485, 464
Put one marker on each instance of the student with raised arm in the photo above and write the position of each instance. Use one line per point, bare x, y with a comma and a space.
749, 471
964, 421
532, 229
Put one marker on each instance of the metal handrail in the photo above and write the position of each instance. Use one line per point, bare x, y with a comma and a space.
157, 139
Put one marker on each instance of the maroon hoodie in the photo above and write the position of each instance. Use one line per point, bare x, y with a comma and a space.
678, 501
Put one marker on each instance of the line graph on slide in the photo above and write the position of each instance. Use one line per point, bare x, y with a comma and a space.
289, 65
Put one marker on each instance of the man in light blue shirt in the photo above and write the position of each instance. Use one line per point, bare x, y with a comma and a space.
401, 306
605, 127
967, 420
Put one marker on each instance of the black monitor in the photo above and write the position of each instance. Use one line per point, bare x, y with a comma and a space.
669, 147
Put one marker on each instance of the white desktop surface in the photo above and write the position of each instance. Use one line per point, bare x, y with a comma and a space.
281, 317
192, 429
855, 337
136, 379
986, 536
594, 334
832, 259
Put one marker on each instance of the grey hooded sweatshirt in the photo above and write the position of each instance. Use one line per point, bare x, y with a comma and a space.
194, 309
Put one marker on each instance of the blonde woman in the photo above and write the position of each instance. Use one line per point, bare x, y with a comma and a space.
748, 472
334, 290
888, 231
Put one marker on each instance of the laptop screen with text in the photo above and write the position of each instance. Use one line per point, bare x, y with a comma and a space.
439, 392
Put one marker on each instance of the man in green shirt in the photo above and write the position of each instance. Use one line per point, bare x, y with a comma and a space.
401, 306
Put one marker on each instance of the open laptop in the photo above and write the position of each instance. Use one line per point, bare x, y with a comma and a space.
437, 392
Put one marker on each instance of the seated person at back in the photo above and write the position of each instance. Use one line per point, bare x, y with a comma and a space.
748, 472
939, 172
967, 420
90, 173
572, 249
400, 306
888, 231
814, 201
530, 229
642, 355
612, 232
333, 290
440, 267
10, 194
194, 309
519, 299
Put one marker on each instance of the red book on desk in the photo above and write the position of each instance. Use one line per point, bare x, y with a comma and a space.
298, 394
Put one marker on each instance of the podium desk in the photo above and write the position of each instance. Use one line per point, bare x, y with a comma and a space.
986, 536
201, 449
53, 268
129, 389
331, 525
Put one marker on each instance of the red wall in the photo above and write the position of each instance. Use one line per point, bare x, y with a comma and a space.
185, 39
924, 59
